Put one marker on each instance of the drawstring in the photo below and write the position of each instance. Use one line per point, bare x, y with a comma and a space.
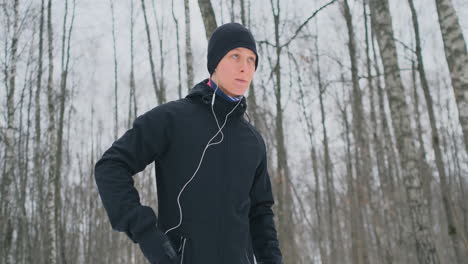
248, 117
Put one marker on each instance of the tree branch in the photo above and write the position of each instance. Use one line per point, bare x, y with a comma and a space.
305, 23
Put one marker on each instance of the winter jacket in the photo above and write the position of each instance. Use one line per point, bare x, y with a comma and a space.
226, 208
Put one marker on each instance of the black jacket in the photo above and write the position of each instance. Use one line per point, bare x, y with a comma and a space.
227, 215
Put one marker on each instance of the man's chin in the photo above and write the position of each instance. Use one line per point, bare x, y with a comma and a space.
237, 92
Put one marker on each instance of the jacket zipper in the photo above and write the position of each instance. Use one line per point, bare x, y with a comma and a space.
183, 251
247, 256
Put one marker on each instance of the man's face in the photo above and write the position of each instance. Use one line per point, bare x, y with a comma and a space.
235, 71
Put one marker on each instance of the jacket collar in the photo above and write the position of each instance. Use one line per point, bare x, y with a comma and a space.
204, 93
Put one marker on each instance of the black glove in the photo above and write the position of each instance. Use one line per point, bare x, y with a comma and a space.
157, 248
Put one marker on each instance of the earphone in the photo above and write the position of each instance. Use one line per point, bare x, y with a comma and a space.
203, 154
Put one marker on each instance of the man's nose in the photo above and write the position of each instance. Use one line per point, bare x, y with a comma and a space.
243, 65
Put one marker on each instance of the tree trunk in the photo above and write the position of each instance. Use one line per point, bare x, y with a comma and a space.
176, 22
385, 255
38, 155
6, 231
22, 251
453, 229
188, 46
351, 193
329, 182
363, 159
66, 43
208, 15
457, 59
285, 221
51, 194
317, 192
243, 18
160, 33
150, 56
419, 211
37, 152
116, 88
424, 168
132, 105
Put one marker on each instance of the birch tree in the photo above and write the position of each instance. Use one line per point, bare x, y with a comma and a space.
362, 152
132, 104
160, 34
8, 171
456, 55
209, 19
179, 78
419, 211
453, 229
65, 62
188, 46
51, 130
38, 155
116, 86
156, 88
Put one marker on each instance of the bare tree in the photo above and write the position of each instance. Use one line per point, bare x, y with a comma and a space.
176, 22
65, 62
285, 233
160, 33
22, 147
362, 148
116, 87
457, 59
453, 230
132, 105
384, 251
51, 130
419, 211
188, 46
350, 184
243, 18
315, 167
208, 15
157, 92
329, 181
8, 171
38, 156
425, 171
285, 211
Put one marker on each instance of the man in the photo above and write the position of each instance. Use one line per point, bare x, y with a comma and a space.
214, 191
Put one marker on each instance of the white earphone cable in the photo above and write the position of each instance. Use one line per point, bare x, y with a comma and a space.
203, 154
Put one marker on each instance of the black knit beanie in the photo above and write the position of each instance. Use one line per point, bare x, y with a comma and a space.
225, 38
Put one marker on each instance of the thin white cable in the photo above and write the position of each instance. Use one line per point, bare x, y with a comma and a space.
202, 156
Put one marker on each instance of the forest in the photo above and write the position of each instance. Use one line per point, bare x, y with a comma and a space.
363, 105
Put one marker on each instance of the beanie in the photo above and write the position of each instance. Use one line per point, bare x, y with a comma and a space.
225, 38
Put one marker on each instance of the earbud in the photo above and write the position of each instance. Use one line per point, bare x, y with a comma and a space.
213, 98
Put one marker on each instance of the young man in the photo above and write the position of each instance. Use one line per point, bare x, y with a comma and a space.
214, 191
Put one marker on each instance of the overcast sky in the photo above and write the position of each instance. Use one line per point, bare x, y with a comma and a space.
92, 52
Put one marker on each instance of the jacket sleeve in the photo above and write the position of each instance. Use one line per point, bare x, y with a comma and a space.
262, 226
144, 143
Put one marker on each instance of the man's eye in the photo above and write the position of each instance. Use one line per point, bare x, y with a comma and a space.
251, 59
235, 56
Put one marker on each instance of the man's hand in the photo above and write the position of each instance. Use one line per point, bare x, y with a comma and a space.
170, 252
158, 249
